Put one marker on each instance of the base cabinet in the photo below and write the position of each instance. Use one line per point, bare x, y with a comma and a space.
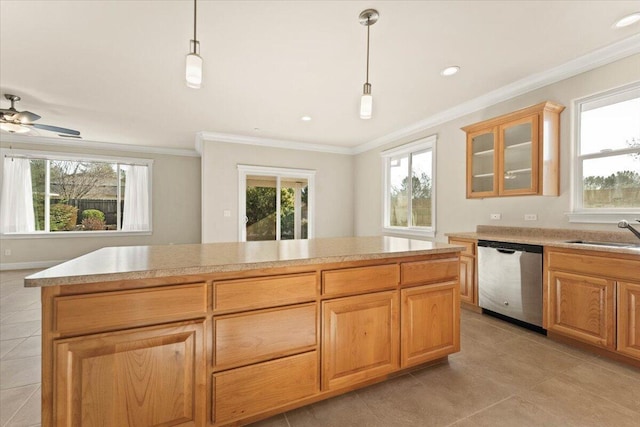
360, 338
430, 323
145, 377
629, 319
467, 278
242, 392
582, 307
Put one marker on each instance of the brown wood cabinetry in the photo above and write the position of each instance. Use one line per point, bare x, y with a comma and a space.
231, 348
430, 324
515, 154
360, 338
593, 298
140, 377
468, 279
629, 319
582, 307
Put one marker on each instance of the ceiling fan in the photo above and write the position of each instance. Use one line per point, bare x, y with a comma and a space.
14, 121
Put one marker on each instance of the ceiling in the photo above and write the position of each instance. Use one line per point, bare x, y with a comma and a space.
115, 69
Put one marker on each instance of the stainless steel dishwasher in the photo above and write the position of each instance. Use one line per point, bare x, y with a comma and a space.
510, 280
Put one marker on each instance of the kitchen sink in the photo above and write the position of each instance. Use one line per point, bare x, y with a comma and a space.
612, 244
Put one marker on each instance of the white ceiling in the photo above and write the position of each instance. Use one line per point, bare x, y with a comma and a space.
115, 69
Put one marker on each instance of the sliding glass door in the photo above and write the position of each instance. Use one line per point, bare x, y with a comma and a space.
274, 203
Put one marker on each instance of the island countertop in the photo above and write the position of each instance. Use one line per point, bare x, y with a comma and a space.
143, 262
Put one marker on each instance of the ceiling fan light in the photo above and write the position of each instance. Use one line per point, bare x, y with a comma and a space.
13, 128
194, 71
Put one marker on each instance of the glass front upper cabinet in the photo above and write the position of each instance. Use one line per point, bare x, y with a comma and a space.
515, 154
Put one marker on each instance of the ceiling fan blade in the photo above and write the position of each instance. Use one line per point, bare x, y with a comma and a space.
25, 117
54, 129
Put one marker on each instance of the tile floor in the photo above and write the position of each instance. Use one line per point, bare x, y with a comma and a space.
504, 376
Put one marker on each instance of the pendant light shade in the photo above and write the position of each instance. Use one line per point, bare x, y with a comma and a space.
193, 72
367, 18
366, 102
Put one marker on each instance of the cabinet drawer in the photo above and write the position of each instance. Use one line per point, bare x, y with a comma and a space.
361, 279
263, 292
606, 266
263, 335
469, 247
436, 270
110, 310
241, 392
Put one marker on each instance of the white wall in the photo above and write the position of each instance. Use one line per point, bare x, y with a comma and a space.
333, 186
175, 210
457, 213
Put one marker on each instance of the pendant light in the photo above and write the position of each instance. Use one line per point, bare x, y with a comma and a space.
194, 60
367, 17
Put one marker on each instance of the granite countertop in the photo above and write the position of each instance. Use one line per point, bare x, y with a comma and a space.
144, 262
554, 237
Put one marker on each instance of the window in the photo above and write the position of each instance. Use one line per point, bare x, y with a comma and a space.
607, 161
275, 203
47, 193
409, 190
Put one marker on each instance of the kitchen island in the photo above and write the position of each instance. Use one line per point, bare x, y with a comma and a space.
230, 333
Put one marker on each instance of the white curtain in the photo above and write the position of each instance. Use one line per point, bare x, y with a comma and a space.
135, 215
16, 204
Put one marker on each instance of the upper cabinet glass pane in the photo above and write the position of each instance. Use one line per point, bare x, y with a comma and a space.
483, 151
517, 156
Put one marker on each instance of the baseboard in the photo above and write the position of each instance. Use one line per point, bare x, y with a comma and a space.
28, 265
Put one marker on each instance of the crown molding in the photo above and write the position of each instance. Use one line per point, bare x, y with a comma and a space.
95, 145
597, 58
204, 136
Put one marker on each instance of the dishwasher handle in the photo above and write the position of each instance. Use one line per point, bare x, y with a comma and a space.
506, 251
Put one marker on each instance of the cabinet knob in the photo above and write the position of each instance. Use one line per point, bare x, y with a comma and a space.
506, 303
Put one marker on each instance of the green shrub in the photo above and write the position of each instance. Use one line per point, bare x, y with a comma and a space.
63, 217
92, 213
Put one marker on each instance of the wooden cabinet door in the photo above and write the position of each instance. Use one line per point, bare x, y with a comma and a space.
518, 157
482, 163
139, 377
430, 322
467, 280
360, 338
629, 319
582, 307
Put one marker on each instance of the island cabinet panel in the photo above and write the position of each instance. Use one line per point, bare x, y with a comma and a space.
582, 307
468, 282
246, 338
242, 392
429, 271
430, 323
114, 310
360, 338
263, 292
629, 319
358, 280
140, 377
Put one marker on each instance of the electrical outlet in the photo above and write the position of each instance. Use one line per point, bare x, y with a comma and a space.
495, 216
530, 217
7, 252
226, 213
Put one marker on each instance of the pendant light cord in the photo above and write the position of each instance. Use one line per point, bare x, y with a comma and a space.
368, 28
195, 14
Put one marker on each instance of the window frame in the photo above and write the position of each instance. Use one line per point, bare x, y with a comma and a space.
412, 148
278, 173
580, 214
62, 156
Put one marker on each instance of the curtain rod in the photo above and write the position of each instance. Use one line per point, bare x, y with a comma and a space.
36, 157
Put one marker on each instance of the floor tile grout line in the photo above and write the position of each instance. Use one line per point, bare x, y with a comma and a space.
481, 410
286, 419
21, 406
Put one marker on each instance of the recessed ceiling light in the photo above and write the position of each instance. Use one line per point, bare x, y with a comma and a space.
627, 20
305, 118
450, 71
